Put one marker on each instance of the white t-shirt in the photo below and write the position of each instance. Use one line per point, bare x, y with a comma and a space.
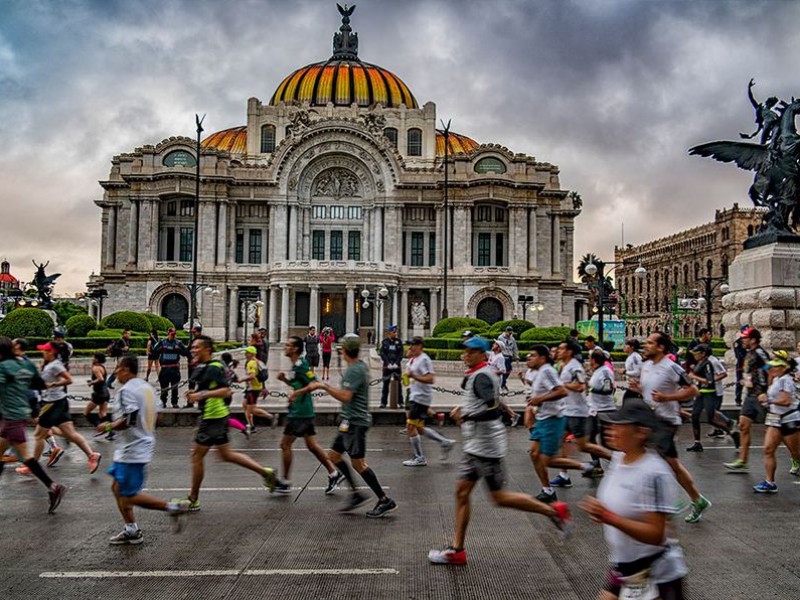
666, 377
784, 383
137, 442
52, 372
601, 390
575, 402
719, 368
529, 376
633, 365
498, 363
421, 393
631, 491
546, 380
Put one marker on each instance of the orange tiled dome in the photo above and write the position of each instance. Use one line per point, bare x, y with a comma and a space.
458, 144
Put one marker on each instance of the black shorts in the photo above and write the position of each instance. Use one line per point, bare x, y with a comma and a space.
417, 413
301, 427
313, 360
251, 397
352, 442
53, 414
664, 439
474, 468
578, 426
752, 409
326, 359
212, 432
100, 398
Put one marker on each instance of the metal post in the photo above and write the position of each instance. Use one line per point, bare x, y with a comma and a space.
600, 293
447, 232
708, 302
246, 306
193, 295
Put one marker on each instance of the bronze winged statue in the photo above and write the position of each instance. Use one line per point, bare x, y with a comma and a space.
44, 284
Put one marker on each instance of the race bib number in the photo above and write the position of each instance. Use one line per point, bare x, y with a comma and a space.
638, 586
344, 426
772, 420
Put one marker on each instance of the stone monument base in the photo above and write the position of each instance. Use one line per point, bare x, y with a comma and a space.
765, 293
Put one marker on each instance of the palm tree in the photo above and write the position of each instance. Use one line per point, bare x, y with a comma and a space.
608, 286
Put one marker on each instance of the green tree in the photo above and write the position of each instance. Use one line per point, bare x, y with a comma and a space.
64, 310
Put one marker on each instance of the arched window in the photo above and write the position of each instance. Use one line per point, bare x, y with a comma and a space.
724, 265
268, 138
414, 142
490, 310
709, 267
390, 133
175, 308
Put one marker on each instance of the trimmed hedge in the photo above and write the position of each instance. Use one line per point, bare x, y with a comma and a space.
455, 323
27, 322
158, 322
127, 319
546, 334
80, 325
519, 325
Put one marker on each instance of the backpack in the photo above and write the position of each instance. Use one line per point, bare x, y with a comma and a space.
263, 374
113, 350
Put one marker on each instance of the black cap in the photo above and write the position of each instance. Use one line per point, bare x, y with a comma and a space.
416, 340
704, 348
633, 411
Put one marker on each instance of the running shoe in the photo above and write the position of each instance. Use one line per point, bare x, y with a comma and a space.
765, 487
333, 482
562, 519
561, 481
246, 431
283, 488
56, 494
124, 538
447, 445
569, 439
178, 515
23, 470
55, 455
696, 447
417, 461
448, 556
354, 502
716, 434
697, 510
795, 467
270, 479
194, 505
737, 439
738, 466
514, 420
546, 498
47, 453
94, 462
382, 508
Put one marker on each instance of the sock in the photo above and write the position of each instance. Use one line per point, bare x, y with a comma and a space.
131, 528
51, 442
38, 471
93, 419
345, 470
434, 435
547, 490
416, 444
563, 474
369, 476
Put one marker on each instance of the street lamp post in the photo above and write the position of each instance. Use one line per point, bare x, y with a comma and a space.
447, 232
712, 283
195, 240
378, 300
524, 300
592, 270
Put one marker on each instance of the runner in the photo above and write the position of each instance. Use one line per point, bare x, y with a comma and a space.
326, 340
497, 361
663, 384
633, 367
137, 410
55, 410
100, 394
755, 383
634, 503
168, 352
211, 390
706, 377
720, 373
485, 446
601, 401
353, 427
419, 373
783, 417
311, 342
17, 376
255, 388
300, 420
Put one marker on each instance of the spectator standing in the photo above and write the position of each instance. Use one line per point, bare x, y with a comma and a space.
510, 354
391, 354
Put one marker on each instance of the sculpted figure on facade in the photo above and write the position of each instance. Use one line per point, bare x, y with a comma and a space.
336, 183
419, 315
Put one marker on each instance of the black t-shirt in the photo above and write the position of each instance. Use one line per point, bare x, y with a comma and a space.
312, 345
705, 370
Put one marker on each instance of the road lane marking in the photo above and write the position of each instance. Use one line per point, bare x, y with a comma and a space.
279, 450
249, 489
211, 573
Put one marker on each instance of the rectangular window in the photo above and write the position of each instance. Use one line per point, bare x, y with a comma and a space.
318, 245
170, 244
337, 212
336, 245
354, 245
171, 209
484, 249
187, 208
354, 213
391, 135
318, 212
498, 247
405, 247
417, 248
302, 313
239, 246
414, 142
254, 247
431, 248
500, 215
187, 242
484, 213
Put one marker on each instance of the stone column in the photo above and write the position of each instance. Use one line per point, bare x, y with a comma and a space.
279, 225
111, 237
222, 234
462, 238
555, 246
262, 322
313, 313
272, 328
207, 233
366, 240
284, 311
440, 252
434, 316
292, 233
403, 311
144, 251
531, 240
306, 249
233, 315
509, 259
543, 234
133, 232
378, 226
350, 314
567, 258
395, 309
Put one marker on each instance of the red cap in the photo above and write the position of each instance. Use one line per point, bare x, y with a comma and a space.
46, 347
751, 332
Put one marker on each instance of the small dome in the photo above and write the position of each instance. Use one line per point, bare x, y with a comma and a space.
458, 144
233, 140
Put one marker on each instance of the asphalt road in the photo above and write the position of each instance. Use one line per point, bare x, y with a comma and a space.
246, 544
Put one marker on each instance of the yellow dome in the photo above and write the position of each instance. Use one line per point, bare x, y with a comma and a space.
458, 144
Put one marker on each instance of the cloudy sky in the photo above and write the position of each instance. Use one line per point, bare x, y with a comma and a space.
612, 91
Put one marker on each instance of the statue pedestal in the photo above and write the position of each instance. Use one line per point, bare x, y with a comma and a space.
418, 331
765, 294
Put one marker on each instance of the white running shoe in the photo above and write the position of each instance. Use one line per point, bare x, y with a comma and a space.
417, 461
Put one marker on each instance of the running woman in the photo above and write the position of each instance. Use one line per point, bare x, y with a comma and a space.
137, 409
255, 388
326, 339
355, 422
663, 384
419, 372
55, 410
601, 401
211, 390
634, 503
783, 417
17, 375
705, 374
485, 445
300, 420
633, 367
100, 395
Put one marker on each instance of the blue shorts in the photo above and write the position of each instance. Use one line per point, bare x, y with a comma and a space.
549, 432
129, 477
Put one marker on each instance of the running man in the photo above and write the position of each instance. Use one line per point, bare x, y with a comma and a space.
211, 391
136, 408
633, 367
17, 375
255, 388
300, 420
485, 446
705, 374
355, 422
419, 371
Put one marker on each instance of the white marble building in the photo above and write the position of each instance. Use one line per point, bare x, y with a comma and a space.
334, 186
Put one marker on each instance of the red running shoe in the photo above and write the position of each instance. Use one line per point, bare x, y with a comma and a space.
448, 556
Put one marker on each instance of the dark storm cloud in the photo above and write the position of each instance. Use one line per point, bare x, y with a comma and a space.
614, 92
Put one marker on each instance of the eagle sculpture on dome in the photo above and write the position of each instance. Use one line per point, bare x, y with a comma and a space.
345, 12
345, 43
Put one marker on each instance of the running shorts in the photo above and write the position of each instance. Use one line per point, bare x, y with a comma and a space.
326, 359
251, 397
549, 432
752, 409
417, 413
578, 426
352, 442
53, 414
13, 431
301, 427
474, 468
129, 477
664, 439
212, 432
101, 398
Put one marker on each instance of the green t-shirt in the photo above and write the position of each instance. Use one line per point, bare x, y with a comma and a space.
303, 405
356, 379
211, 376
16, 376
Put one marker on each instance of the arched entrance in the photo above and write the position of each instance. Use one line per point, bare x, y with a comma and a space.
175, 308
490, 310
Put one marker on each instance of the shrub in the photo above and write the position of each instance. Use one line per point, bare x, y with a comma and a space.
520, 326
127, 319
158, 322
66, 310
455, 323
27, 322
80, 325
546, 334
